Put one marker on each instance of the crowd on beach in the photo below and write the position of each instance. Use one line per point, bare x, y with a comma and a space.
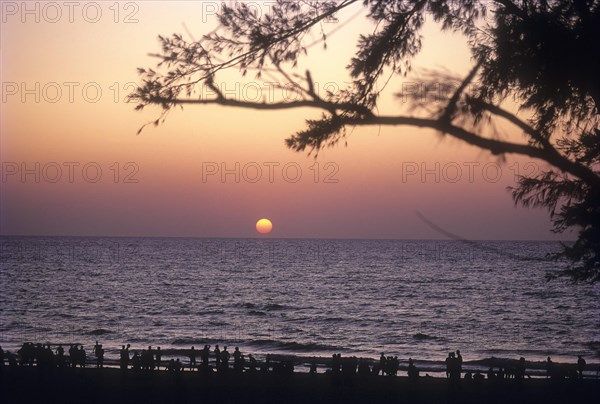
150, 359
216, 359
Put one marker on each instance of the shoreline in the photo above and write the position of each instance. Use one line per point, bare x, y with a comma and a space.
92, 385
302, 363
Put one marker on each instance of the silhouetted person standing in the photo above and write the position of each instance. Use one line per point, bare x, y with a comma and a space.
448, 362
99, 353
135, 361
238, 364
549, 367
158, 358
453, 368
413, 373
382, 364
123, 358
204, 356
82, 356
192, 358
336, 363
60, 357
217, 353
520, 372
150, 358
225, 359
72, 355
580, 366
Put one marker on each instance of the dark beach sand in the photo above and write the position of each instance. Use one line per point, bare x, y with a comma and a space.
108, 385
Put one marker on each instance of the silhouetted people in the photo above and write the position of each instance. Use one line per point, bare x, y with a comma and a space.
61, 361
252, 364
82, 356
217, 353
549, 367
204, 356
148, 359
26, 354
520, 370
391, 365
99, 353
238, 360
192, 358
124, 357
349, 366
136, 361
73, 355
225, 359
382, 364
144, 362
158, 355
580, 366
284, 368
343, 369
413, 373
453, 367
363, 368
336, 363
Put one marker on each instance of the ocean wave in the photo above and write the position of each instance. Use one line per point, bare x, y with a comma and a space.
205, 312
422, 337
192, 341
339, 320
274, 306
99, 331
294, 346
266, 307
257, 313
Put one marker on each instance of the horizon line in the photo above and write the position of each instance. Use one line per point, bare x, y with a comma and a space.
281, 238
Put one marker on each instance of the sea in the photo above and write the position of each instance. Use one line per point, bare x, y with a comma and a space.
301, 297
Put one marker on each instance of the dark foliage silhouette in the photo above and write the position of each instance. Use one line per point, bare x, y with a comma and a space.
535, 66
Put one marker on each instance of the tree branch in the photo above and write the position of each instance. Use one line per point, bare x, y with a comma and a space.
552, 155
368, 118
318, 103
494, 146
451, 107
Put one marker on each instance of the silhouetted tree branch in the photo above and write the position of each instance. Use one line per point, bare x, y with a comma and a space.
542, 56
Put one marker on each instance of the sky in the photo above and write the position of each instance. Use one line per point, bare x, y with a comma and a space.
72, 163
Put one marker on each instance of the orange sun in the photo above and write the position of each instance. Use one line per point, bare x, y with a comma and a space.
264, 226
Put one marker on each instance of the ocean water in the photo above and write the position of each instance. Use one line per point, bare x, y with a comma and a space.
416, 299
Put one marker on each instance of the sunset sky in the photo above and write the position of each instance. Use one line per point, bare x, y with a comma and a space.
64, 81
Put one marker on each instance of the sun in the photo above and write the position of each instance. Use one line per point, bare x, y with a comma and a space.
264, 226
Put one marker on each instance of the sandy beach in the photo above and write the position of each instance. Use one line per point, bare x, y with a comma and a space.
109, 385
